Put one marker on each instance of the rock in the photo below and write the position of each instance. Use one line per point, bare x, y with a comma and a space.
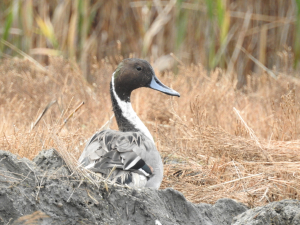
285, 212
44, 191
51, 162
223, 211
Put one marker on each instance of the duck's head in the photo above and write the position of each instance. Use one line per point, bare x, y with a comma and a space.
136, 73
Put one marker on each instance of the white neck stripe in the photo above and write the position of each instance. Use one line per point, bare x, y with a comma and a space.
129, 113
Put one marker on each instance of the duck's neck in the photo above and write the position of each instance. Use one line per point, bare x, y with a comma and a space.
125, 115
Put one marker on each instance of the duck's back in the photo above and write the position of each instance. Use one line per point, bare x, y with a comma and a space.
132, 156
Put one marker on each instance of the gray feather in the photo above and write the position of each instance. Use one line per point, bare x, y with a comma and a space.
110, 149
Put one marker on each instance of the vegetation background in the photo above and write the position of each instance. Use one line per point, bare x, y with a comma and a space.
233, 133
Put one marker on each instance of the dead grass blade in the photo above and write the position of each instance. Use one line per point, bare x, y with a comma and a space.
71, 114
41, 115
252, 135
270, 72
26, 56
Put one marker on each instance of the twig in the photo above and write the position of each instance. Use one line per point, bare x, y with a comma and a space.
228, 182
95, 200
71, 114
107, 124
258, 63
9, 221
162, 18
176, 58
40, 185
265, 195
74, 190
37, 180
105, 181
42, 114
2, 175
252, 135
238, 173
36, 63
240, 41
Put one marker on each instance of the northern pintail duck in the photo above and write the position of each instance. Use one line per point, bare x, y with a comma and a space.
129, 152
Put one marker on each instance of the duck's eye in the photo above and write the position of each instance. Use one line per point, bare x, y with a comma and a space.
139, 68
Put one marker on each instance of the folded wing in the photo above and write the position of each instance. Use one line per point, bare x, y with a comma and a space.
120, 151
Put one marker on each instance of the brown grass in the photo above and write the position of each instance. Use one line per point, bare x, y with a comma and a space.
209, 32
210, 150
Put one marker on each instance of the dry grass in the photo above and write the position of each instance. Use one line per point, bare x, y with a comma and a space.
210, 149
209, 32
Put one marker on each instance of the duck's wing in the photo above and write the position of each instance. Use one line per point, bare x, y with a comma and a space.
120, 151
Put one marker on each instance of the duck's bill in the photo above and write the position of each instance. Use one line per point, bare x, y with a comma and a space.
159, 86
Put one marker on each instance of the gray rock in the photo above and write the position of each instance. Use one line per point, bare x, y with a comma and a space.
223, 211
285, 212
44, 191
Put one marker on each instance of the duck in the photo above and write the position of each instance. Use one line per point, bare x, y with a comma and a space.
127, 156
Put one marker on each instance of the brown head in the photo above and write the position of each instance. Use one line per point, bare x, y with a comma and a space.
135, 73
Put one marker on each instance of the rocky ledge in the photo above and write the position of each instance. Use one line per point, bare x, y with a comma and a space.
44, 191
